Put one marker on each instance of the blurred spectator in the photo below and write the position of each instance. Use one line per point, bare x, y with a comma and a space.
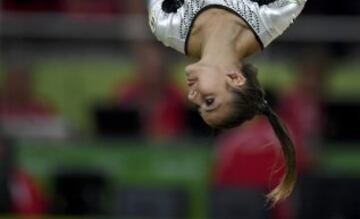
159, 101
21, 113
302, 107
248, 156
19, 193
17, 96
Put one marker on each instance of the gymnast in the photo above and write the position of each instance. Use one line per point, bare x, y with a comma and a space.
220, 34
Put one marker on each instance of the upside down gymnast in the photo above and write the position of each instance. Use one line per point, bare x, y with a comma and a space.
220, 34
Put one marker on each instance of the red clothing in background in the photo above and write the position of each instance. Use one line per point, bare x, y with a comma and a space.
303, 113
26, 197
32, 109
249, 156
163, 112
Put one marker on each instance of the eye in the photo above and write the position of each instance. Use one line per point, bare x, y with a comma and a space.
209, 101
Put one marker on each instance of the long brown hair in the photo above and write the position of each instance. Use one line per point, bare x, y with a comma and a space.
249, 101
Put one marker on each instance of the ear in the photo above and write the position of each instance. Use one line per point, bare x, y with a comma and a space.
236, 79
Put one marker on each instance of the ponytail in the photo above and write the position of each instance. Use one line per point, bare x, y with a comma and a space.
286, 186
247, 103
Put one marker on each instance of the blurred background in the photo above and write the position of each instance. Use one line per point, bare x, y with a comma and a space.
95, 123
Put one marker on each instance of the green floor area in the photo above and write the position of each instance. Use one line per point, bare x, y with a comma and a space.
342, 158
129, 161
126, 163
186, 165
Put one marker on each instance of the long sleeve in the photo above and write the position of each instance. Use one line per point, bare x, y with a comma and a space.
277, 17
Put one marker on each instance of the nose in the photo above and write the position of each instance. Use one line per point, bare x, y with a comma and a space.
191, 77
192, 94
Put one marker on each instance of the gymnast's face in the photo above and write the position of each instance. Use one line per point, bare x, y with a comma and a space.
209, 90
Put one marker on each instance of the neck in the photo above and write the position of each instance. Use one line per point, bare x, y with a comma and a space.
219, 46
219, 36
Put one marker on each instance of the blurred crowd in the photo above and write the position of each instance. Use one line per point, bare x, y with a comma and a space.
91, 7
101, 7
152, 105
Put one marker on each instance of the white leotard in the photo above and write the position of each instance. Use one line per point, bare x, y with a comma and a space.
266, 21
